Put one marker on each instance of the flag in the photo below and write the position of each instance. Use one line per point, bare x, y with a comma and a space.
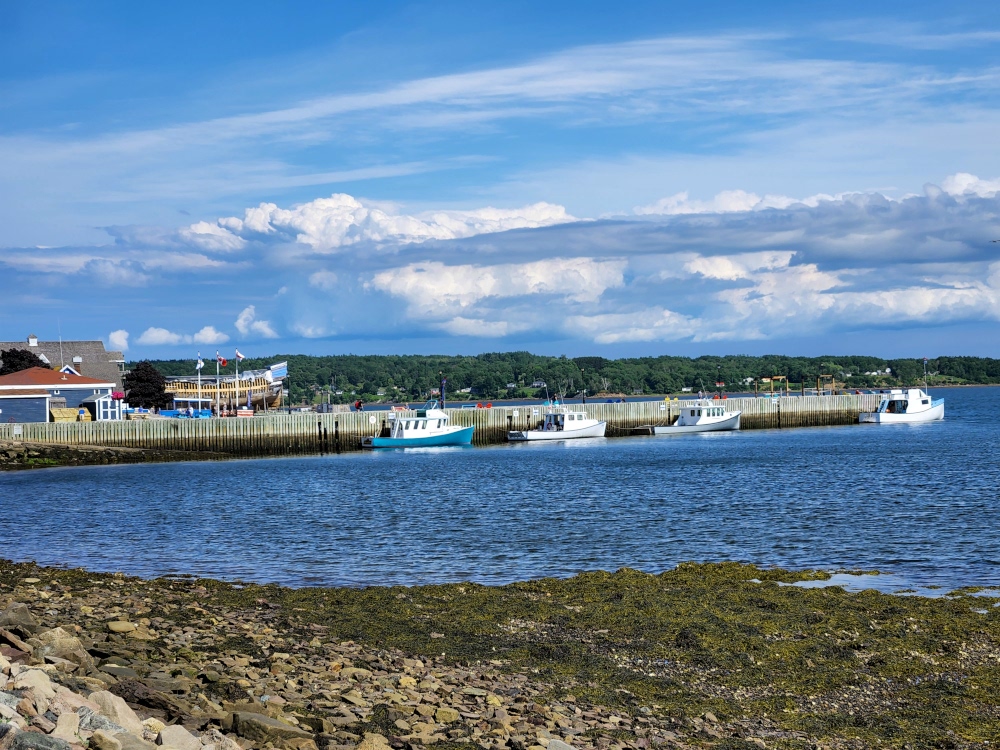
201, 362
221, 360
239, 357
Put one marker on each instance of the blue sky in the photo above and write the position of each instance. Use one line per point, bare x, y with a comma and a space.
463, 177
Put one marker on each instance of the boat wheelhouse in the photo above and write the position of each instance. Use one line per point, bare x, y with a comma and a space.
562, 424
427, 427
900, 406
702, 415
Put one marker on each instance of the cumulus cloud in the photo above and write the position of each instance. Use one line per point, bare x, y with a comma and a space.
247, 324
342, 220
651, 324
154, 336
116, 273
212, 237
160, 337
118, 340
964, 183
728, 201
208, 335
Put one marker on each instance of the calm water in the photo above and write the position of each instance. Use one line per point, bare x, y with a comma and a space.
919, 501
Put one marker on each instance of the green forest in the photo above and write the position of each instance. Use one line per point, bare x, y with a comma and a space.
347, 377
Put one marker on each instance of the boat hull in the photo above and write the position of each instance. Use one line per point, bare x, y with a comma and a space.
461, 436
935, 413
723, 425
524, 436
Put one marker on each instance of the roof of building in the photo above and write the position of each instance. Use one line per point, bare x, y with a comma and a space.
41, 377
97, 362
26, 392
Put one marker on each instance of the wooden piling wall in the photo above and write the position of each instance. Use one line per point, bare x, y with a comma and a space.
283, 434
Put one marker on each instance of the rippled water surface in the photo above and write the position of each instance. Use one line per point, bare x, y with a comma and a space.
919, 501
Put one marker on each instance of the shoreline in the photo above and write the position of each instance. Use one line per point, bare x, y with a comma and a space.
703, 655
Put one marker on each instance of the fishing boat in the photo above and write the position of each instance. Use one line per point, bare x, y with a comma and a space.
701, 416
900, 406
428, 428
562, 424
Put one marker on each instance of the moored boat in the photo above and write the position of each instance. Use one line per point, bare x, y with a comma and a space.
429, 427
563, 424
900, 406
701, 416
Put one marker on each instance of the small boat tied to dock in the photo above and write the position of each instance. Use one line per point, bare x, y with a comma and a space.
561, 424
429, 427
900, 406
702, 415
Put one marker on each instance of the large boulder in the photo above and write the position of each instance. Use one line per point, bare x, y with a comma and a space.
36, 741
118, 711
67, 727
92, 721
58, 644
17, 618
264, 729
38, 682
177, 737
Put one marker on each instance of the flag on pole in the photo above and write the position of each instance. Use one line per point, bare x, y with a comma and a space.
239, 357
221, 360
201, 362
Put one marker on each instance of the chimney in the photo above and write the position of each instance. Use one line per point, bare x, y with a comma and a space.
78, 364
32, 340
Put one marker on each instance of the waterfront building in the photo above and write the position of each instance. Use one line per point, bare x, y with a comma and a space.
36, 394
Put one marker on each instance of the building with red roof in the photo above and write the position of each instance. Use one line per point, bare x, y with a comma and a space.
29, 395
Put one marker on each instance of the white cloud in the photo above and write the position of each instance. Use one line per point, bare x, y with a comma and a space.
964, 183
652, 324
161, 336
324, 280
212, 237
208, 335
435, 289
733, 267
118, 340
728, 201
247, 324
116, 273
342, 220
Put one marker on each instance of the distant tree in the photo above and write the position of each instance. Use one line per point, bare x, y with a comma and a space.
145, 386
15, 360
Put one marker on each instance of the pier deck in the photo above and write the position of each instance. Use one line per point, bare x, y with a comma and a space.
283, 434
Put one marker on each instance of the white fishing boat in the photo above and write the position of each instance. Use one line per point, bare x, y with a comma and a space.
429, 427
562, 424
900, 406
702, 416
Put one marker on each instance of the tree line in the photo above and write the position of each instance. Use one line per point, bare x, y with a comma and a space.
348, 377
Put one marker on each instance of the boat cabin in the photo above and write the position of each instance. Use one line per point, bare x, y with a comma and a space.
898, 401
424, 423
564, 420
701, 412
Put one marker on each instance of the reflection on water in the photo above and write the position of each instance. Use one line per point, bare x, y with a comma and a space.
917, 501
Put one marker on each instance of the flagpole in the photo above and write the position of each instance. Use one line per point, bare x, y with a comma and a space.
218, 384
237, 362
199, 381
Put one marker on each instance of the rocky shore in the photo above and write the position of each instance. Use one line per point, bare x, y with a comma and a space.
18, 455
704, 656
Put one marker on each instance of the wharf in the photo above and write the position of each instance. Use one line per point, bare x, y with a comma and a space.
284, 434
